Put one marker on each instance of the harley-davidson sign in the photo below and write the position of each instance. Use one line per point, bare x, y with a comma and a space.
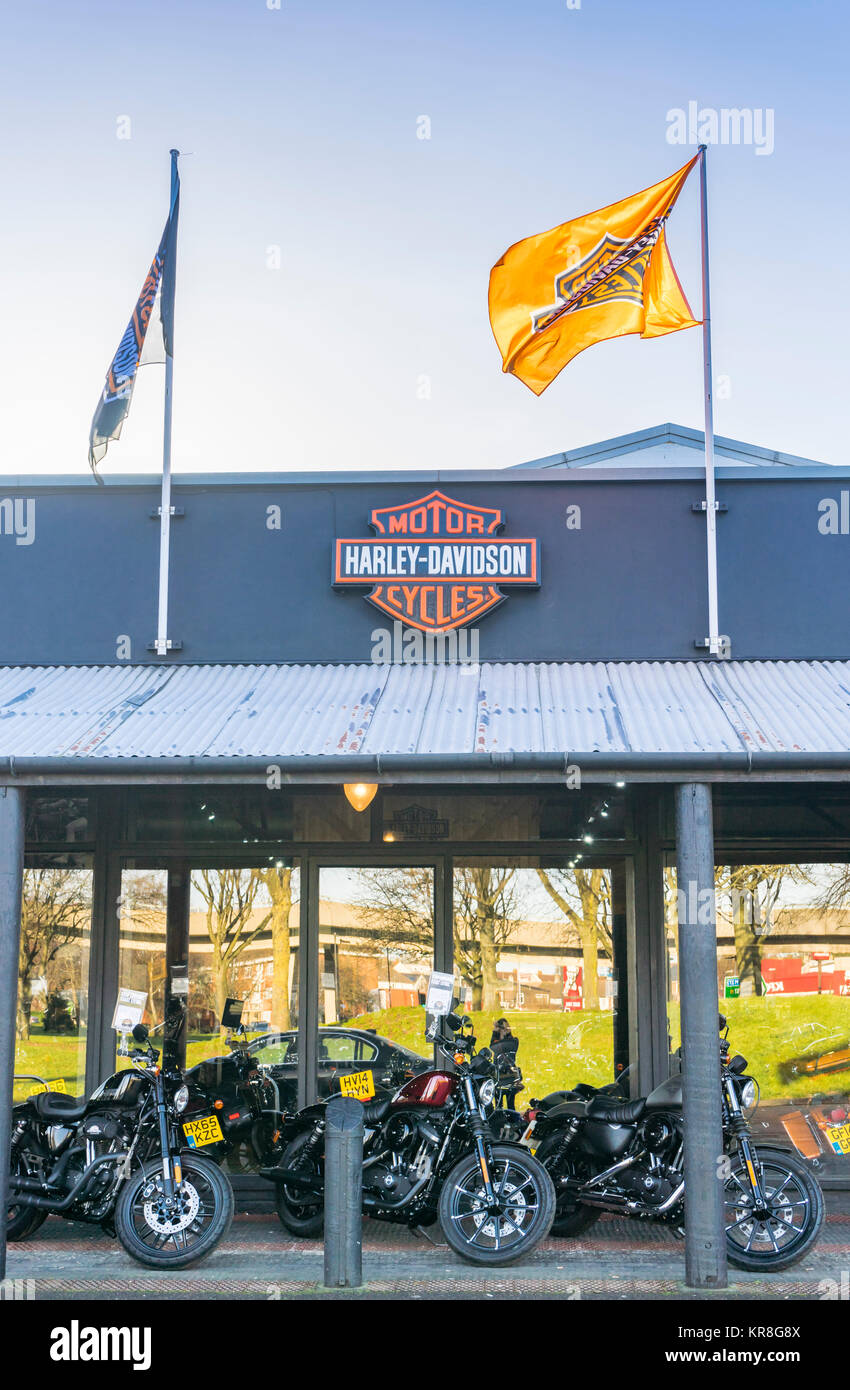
436, 563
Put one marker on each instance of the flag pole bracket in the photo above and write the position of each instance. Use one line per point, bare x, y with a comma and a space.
170, 646
703, 507
720, 646
156, 512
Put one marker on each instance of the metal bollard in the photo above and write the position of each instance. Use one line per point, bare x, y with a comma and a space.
343, 1193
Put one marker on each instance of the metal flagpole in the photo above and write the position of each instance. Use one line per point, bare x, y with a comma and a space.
162, 645
716, 645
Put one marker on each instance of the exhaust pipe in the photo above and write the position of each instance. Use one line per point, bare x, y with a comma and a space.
25, 1188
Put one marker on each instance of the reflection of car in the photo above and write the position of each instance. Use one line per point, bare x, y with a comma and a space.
814, 1062
341, 1051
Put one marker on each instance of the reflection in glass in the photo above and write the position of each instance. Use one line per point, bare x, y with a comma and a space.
53, 978
533, 946
783, 983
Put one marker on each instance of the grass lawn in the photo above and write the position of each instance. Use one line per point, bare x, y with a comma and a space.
556, 1050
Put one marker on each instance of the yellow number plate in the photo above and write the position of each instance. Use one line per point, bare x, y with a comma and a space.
839, 1138
207, 1130
359, 1084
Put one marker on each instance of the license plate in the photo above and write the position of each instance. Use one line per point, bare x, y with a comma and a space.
359, 1084
528, 1139
839, 1138
207, 1130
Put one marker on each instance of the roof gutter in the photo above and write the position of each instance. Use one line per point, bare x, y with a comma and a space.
388, 766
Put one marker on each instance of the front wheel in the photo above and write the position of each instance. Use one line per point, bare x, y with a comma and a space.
173, 1233
779, 1233
521, 1214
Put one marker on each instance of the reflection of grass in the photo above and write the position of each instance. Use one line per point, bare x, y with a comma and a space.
771, 1030
52, 1056
555, 1050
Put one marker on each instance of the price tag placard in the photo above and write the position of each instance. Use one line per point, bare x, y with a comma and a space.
440, 994
129, 1009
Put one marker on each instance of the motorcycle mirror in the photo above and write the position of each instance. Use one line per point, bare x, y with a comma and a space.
455, 1022
721, 1022
140, 1033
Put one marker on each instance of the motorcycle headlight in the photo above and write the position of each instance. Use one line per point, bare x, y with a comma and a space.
747, 1093
181, 1098
486, 1091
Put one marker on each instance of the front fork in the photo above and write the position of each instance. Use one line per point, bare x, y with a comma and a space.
480, 1133
741, 1130
172, 1172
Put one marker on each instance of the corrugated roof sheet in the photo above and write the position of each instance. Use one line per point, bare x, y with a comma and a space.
279, 711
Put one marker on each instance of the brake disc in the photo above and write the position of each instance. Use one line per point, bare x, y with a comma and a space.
168, 1216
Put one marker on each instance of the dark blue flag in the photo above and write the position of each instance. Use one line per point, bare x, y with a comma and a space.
154, 305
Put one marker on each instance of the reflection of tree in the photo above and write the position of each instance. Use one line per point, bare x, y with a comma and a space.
485, 915
753, 891
144, 900
229, 897
55, 912
397, 905
278, 884
584, 897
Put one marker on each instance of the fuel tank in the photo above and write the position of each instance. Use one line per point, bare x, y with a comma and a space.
667, 1096
428, 1088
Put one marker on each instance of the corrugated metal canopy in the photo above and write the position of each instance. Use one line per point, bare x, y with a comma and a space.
625, 708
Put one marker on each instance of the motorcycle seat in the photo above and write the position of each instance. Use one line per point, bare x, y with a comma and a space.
375, 1111
57, 1108
618, 1112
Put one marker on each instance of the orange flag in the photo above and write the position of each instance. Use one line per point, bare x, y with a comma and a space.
599, 276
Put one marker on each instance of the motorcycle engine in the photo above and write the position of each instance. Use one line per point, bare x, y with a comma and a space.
657, 1178
412, 1143
104, 1131
652, 1186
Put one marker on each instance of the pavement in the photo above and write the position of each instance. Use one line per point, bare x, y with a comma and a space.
614, 1260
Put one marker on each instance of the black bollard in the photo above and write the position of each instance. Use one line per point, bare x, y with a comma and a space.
344, 1193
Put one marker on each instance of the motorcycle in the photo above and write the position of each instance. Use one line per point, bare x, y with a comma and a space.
606, 1153
246, 1101
122, 1160
429, 1155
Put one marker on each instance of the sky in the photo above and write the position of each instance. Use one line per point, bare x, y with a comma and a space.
333, 265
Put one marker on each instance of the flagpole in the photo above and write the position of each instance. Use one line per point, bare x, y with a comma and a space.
162, 645
713, 642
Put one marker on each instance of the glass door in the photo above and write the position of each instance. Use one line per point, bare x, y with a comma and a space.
375, 955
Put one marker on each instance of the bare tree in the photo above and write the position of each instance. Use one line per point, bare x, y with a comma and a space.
278, 883
754, 890
55, 912
584, 897
230, 898
485, 916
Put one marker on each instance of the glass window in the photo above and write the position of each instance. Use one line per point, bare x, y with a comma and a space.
243, 944
53, 979
141, 941
376, 944
336, 1047
534, 952
563, 814
59, 818
783, 983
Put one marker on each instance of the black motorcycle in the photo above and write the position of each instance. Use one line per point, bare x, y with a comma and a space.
246, 1101
429, 1154
607, 1153
122, 1159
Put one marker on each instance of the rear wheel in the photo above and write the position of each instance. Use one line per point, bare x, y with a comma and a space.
779, 1233
571, 1217
521, 1214
301, 1213
171, 1234
23, 1221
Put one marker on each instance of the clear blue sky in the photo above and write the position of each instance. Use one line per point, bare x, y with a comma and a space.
302, 124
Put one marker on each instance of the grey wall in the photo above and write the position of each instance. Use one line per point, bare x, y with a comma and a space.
629, 584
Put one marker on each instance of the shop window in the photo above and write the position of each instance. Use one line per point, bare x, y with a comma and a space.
52, 1012
534, 947
142, 945
783, 983
376, 945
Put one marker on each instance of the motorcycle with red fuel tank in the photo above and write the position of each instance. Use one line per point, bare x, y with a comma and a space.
429, 1154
